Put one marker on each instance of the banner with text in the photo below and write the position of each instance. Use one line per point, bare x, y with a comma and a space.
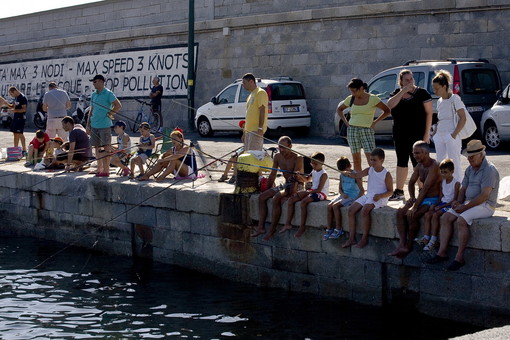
128, 74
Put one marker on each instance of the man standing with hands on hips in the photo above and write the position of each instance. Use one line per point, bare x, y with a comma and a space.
103, 106
256, 114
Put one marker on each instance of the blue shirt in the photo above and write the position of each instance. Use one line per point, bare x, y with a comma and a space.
101, 104
349, 186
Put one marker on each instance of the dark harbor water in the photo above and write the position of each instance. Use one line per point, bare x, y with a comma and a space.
76, 294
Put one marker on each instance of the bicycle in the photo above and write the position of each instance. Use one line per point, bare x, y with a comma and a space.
153, 118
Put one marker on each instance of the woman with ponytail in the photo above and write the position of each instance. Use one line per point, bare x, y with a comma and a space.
448, 143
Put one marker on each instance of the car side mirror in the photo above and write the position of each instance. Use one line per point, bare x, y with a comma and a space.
214, 100
502, 99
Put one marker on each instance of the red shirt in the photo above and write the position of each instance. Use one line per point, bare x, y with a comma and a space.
40, 145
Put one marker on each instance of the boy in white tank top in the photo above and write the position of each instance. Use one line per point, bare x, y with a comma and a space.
318, 192
380, 188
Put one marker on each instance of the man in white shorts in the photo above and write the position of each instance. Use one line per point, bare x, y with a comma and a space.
477, 199
56, 103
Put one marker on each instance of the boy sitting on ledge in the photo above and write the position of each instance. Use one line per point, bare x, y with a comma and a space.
380, 188
318, 192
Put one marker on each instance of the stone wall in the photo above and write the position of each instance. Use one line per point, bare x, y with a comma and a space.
203, 227
321, 43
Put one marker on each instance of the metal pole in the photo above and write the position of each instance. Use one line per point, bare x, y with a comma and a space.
191, 65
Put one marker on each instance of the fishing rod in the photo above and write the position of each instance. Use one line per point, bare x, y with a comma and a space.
265, 138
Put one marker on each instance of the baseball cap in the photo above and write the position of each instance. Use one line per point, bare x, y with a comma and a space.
98, 77
120, 123
58, 140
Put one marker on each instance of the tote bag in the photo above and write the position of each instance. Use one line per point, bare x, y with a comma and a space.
470, 126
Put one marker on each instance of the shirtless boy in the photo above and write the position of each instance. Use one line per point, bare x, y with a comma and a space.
290, 163
427, 170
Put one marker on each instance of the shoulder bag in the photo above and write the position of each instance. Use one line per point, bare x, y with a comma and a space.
470, 126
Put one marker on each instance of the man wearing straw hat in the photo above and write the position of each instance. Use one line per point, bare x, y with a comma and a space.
477, 199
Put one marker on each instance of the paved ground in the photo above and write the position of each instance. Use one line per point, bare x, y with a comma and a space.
223, 144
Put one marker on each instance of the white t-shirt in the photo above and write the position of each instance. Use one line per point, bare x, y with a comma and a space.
445, 111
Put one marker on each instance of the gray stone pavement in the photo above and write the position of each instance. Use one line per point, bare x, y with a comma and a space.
224, 143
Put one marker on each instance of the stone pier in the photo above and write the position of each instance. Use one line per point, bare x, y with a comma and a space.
204, 227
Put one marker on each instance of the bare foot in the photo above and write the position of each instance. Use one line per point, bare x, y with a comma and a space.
397, 250
361, 244
258, 232
300, 232
269, 235
285, 228
349, 243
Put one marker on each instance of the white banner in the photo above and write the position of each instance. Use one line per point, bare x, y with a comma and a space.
128, 74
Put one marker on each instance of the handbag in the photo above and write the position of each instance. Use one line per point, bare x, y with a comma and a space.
470, 126
14, 153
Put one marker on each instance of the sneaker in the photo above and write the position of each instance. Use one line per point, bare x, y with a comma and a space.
223, 178
431, 246
27, 164
232, 180
423, 241
398, 195
125, 172
103, 174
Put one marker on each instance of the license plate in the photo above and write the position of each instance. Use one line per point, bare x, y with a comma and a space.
474, 109
4, 118
291, 109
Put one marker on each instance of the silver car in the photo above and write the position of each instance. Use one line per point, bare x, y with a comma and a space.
495, 122
476, 81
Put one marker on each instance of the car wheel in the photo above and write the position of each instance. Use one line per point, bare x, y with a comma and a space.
204, 127
491, 136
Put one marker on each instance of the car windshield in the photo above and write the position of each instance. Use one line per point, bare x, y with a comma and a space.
479, 81
384, 86
287, 91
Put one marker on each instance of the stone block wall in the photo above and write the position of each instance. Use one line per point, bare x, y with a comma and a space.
321, 43
202, 226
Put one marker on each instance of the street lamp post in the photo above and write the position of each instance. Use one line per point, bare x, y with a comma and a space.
191, 65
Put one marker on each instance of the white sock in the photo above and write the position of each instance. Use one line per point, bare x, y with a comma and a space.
433, 238
426, 237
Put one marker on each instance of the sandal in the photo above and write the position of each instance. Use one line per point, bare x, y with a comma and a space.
337, 233
327, 234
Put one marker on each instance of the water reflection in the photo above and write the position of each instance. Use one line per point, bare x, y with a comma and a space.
83, 296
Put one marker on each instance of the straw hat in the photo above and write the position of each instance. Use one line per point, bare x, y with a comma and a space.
474, 147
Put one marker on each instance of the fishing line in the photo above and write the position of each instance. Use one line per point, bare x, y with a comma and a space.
265, 138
